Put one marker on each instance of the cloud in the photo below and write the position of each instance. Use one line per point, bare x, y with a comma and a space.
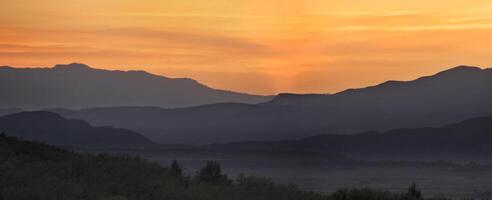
413, 28
227, 44
190, 15
402, 20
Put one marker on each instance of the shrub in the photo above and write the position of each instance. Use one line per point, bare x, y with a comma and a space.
255, 182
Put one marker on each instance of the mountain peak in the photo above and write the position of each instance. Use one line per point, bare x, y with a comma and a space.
461, 69
75, 66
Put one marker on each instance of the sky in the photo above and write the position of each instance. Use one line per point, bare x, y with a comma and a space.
252, 46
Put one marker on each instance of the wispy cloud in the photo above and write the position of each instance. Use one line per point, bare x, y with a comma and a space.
413, 28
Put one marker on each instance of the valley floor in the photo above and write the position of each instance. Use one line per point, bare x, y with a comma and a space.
436, 178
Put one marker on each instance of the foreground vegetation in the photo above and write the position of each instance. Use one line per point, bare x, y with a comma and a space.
32, 170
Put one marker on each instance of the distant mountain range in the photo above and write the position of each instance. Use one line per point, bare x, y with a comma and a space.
469, 138
53, 129
80, 86
464, 88
446, 97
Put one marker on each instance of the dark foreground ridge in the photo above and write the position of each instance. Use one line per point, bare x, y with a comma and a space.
32, 170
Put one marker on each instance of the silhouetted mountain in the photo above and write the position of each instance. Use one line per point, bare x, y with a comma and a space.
465, 88
453, 95
8, 111
467, 138
53, 129
79, 86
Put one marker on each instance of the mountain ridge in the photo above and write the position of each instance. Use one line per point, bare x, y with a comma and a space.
78, 86
50, 127
428, 101
459, 70
469, 138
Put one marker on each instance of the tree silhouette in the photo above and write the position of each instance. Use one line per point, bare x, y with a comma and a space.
413, 192
175, 169
212, 174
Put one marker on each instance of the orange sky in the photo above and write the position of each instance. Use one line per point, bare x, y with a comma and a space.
254, 46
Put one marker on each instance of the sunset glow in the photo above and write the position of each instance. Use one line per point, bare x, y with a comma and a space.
253, 46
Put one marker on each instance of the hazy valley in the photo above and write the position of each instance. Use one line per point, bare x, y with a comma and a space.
432, 130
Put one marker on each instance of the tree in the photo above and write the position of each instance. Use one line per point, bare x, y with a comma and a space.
212, 174
176, 169
413, 192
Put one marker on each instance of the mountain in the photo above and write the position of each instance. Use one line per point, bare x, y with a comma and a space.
8, 111
80, 86
53, 129
465, 88
446, 97
468, 138
195, 125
